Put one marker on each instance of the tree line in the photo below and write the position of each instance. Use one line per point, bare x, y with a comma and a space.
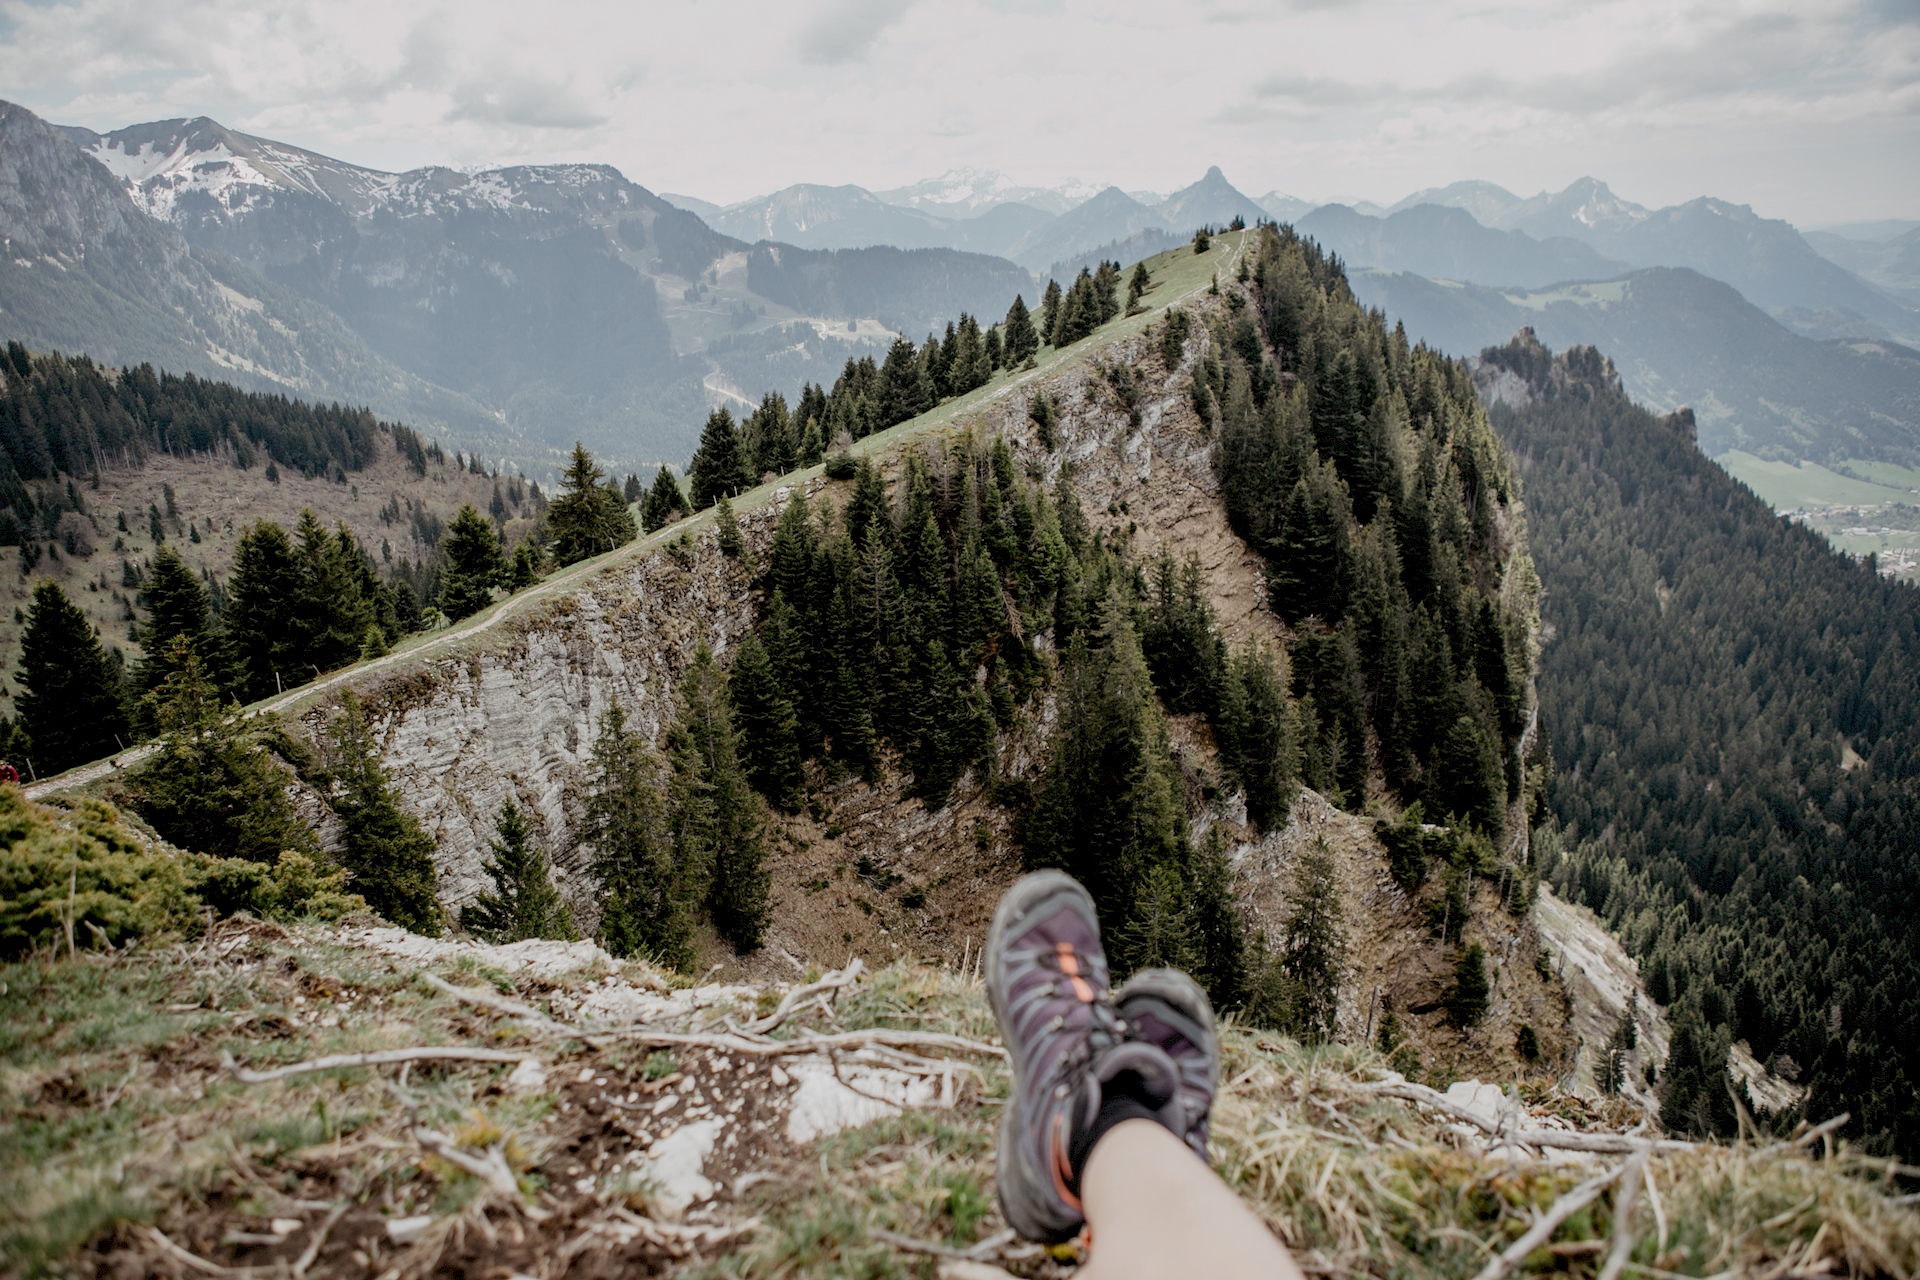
67, 416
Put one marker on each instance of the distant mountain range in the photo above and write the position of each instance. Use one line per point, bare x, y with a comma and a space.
982, 212
1822, 286
518, 309
1678, 338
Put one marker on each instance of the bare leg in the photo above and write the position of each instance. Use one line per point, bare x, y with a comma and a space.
1157, 1212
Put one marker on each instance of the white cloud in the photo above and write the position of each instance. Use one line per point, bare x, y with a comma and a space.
1807, 109
845, 32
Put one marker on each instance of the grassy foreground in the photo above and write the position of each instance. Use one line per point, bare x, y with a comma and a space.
127, 1148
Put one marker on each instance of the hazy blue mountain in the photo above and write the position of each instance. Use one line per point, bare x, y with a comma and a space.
1882, 230
1891, 265
1490, 205
566, 300
1767, 260
1282, 207
999, 229
1435, 240
911, 292
816, 217
88, 272
1112, 215
970, 193
1677, 338
706, 210
1211, 201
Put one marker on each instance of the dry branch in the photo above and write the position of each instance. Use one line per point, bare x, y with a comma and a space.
753, 1046
1566, 1140
800, 995
1562, 1209
490, 1168
380, 1058
512, 1008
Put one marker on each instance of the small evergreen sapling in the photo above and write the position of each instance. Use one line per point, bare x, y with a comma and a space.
524, 902
1313, 949
646, 881
383, 846
1136, 286
1467, 1002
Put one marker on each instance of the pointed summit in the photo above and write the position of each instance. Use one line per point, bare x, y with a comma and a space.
1212, 200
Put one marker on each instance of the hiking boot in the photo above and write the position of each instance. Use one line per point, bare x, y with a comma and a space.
1046, 976
1167, 1008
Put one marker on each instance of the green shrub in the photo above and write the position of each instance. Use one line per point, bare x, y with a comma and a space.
80, 864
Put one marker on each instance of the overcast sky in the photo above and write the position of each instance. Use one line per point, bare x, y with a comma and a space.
1807, 110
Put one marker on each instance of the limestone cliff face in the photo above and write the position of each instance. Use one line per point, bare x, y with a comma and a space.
516, 714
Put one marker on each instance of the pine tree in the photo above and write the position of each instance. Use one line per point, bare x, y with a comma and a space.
258, 619
474, 564
1468, 780
715, 809
719, 466
769, 742
1255, 730
1221, 944
1106, 285
1313, 950
176, 609
524, 902
1107, 810
1179, 637
1139, 284
906, 390
767, 438
336, 597
389, 855
1158, 929
1467, 1001
647, 887
1045, 420
1049, 311
1020, 336
524, 571
70, 700
665, 502
588, 518
211, 786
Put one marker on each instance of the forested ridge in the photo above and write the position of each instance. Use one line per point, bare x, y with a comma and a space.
1734, 716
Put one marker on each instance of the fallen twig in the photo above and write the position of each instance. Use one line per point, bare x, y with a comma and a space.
491, 1169
1541, 1231
513, 1008
756, 1047
380, 1058
800, 995
194, 1260
1623, 1237
1565, 1139
993, 1246
320, 1233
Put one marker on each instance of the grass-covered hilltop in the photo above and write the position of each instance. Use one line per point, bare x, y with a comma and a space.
598, 887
